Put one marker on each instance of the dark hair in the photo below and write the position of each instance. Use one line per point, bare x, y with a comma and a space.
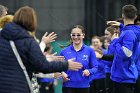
80, 27
26, 17
70, 42
110, 29
129, 11
2, 9
137, 20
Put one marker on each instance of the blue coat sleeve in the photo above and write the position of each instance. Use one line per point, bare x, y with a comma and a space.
93, 62
111, 49
39, 62
121, 27
127, 42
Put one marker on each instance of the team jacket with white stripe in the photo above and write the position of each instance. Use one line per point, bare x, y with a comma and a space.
126, 53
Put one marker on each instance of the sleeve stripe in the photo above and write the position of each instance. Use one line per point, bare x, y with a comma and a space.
127, 52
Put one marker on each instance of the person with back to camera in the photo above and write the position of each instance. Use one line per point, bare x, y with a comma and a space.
12, 78
124, 71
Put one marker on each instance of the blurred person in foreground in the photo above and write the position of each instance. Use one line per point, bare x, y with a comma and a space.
47, 81
12, 78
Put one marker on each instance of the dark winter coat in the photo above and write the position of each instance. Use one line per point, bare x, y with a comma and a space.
12, 79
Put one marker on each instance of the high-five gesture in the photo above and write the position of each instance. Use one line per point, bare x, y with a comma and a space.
48, 38
74, 65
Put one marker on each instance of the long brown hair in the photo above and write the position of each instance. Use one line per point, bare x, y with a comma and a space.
26, 17
111, 29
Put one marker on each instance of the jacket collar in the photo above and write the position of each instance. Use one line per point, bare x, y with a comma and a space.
72, 47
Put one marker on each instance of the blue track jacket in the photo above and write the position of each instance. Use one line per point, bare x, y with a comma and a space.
101, 68
126, 54
86, 56
138, 62
110, 51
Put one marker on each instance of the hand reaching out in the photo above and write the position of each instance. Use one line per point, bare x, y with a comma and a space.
57, 75
72, 65
65, 77
113, 23
98, 55
99, 51
48, 38
53, 58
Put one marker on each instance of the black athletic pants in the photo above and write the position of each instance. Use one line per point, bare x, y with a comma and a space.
75, 90
123, 87
97, 86
108, 84
46, 87
137, 86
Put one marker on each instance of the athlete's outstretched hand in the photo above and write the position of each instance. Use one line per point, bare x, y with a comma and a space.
65, 77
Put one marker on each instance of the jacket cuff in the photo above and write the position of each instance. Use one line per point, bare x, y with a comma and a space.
66, 65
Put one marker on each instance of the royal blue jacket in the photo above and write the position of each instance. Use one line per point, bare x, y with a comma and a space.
12, 78
86, 56
138, 61
126, 52
46, 79
110, 52
101, 68
136, 30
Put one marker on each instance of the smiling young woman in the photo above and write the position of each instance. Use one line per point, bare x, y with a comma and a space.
78, 81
